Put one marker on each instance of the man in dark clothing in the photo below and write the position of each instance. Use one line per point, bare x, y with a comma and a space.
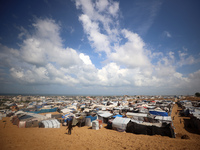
69, 127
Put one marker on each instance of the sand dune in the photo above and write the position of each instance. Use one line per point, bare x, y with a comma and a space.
14, 138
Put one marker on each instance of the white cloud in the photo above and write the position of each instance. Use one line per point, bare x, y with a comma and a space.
96, 15
101, 5
42, 58
8, 56
186, 60
113, 9
167, 34
85, 59
132, 53
112, 75
86, 6
99, 41
194, 79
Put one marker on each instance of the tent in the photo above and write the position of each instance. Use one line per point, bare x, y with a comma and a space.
67, 110
164, 118
95, 125
158, 113
25, 119
150, 129
89, 119
104, 116
136, 116
118, 115
120, 123
53, 123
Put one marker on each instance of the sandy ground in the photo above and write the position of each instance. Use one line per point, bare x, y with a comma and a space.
14, 138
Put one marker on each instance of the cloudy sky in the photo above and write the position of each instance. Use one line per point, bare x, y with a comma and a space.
100, 47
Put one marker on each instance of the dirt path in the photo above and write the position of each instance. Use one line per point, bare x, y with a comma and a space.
179, 125
14, 138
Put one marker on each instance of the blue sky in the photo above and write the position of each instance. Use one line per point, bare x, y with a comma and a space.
107, 47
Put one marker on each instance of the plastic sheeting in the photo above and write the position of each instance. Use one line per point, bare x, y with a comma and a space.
66, 110
95, 125
164, 118
50, 123
91, 118
136, 114
44, 110
88, 122
120, 123
22, 124
105, 115
136, 128
117, 116
158, 113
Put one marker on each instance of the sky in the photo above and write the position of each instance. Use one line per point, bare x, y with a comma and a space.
100, 47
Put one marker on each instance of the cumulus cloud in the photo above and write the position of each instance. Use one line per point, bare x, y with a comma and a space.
98, 40
43, 59
132, 53
140, 68
186, 59
85, 59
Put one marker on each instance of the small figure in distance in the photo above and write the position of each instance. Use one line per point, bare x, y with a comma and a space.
69, 127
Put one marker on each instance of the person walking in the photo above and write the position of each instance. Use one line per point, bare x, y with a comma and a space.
69, 127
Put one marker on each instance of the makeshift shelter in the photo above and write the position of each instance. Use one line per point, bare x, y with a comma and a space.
158, 113
104, 116
95, 125
74, 121
136, 116
32, 123
89, 119
56, 116
67, 110
26, 120
120, 123
118, 115
164, 118
53, 123
44, 110
150, 129
81, 121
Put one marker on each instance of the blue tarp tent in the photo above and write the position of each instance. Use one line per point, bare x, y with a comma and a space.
65, 115
117, 116
158, 113
44, 110
92, 118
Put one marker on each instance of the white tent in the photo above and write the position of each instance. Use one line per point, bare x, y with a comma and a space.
136, 114
53, 123
95, 125
66, 110
104, 114
120, 123
164, 118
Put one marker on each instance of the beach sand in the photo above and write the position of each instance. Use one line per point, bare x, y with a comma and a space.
14, 138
